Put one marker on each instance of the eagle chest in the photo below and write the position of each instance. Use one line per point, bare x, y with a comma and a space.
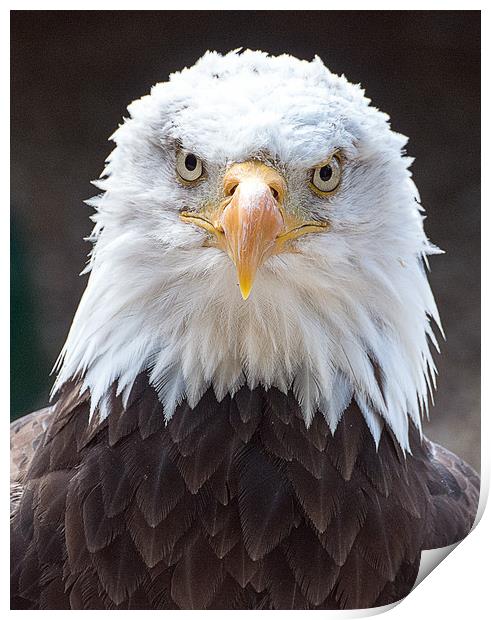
232, 504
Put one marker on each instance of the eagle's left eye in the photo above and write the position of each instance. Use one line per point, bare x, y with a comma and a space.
189, 167
325, 178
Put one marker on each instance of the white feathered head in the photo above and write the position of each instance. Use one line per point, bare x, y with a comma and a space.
258, 226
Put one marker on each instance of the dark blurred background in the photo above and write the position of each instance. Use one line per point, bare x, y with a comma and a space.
73, 73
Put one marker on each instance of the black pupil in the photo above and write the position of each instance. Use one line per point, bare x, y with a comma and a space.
325, 173
190, 162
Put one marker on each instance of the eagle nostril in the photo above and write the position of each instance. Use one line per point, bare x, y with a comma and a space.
232, 189
275, 193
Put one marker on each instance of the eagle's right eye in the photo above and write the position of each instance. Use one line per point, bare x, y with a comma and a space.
188, 166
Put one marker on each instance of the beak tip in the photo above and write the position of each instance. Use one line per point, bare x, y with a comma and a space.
245, 291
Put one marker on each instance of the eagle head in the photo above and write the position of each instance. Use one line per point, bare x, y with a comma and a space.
258, 225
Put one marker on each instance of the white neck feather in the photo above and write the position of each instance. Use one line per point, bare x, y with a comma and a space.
302, 328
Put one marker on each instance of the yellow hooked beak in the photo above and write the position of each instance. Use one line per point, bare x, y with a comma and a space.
250, 224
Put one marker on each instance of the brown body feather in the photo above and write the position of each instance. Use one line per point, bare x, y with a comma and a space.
232, 505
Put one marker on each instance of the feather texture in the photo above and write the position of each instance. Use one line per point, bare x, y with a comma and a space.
199, 514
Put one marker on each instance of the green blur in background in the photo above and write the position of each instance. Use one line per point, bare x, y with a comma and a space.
29, 367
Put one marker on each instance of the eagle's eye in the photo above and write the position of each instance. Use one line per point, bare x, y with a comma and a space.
188, 166
325, 178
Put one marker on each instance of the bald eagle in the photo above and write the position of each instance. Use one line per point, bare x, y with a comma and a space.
236, 419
